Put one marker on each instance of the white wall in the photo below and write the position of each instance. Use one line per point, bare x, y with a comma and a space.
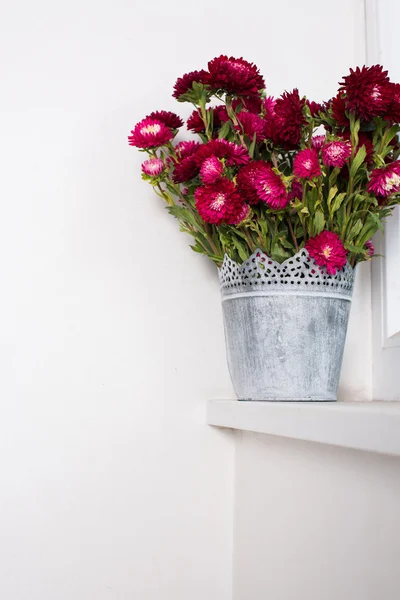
315, 522
111, 486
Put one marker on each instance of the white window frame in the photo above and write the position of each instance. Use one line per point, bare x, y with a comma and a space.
385, 269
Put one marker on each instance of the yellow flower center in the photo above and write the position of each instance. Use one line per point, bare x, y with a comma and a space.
218, 201
327, 251
150, 129
392, 182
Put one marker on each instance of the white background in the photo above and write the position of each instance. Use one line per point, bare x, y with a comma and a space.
112, 487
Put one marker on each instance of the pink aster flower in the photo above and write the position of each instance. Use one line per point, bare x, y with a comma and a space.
328, 251
318, 141
385, 180
219, 202
251, 124
336, 153
370, 248
269, 106
153, 167
306, 164
211, 170
167, 117
150, 133
246, 180
271, 189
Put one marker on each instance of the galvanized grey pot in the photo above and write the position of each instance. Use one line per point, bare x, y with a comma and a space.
285, 327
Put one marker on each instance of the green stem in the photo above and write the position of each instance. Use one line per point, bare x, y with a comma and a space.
289, 222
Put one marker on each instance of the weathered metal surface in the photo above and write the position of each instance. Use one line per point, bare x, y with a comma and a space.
285, 327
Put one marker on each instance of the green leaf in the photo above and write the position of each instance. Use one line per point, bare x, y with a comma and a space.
225, 130
337, 202
354, 249
357, 161
355, 229
252, 146
319, 222
333, 176
243, 249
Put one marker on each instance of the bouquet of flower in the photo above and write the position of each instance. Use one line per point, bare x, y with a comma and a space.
277, 174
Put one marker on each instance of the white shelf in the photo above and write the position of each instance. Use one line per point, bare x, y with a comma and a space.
371, 426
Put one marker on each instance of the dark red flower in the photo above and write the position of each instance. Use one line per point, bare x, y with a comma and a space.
363, 140
394, 106
195, 122
219, 203
296, 190
251, 124
211, 170
169, 119
336, 153
328, 251
184, 84
367, 91
246, 180
253, 104
234, 76
338, 108
233, 153
185, 167
315, 107
184, 149
289, 118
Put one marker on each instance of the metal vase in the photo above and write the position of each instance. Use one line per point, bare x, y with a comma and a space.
285, 327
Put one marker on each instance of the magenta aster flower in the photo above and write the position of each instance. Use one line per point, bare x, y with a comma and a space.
306, 164
385, 180
167, 117
219, 202
271, 189
246, 180
328, 251
153, 167
370, 248
367, 91
184, 84
211, 170
234, 76
318, 141
269, 106
150, 133
251, 124
296, 190
289, 118
336, 153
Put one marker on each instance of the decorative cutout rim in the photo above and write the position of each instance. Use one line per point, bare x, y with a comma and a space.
259, 275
